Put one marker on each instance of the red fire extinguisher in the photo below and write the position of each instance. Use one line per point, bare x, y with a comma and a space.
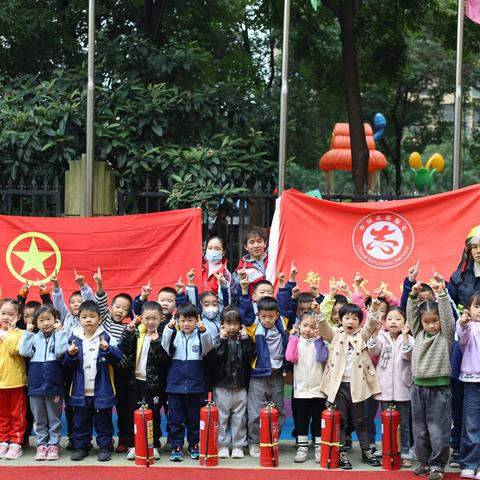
143, 430
330, 451
269, 436
209, 433
390, 438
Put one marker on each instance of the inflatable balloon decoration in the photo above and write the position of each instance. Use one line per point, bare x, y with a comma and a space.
423, 175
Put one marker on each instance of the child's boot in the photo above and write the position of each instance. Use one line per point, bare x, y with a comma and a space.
370, 459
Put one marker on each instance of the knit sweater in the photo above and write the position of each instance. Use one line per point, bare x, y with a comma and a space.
431, 353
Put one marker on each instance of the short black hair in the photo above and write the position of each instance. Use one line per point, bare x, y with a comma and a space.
186, 310
168, 290
152, 306
89, 306
32, 304
267, 304
45, 309
427, 288
305, 297
125, 296
208, 293
262, 282
473, 300
231, 314
342, 299
350, 308
76, 293
368, 301
253, 232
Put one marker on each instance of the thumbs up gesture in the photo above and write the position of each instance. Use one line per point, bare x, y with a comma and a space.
72, 349
103, 344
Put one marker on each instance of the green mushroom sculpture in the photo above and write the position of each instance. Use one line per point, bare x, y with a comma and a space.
423, 175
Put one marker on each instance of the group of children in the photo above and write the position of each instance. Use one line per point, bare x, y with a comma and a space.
232, 336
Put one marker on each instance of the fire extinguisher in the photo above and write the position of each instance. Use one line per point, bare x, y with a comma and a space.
209, 433
330, 451
390, 438
143, 430
269, 436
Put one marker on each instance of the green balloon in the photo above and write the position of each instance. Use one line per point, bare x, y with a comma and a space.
423, 178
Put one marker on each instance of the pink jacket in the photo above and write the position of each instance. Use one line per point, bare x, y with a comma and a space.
394, 366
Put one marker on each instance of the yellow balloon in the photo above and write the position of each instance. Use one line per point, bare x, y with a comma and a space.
415, 160
437, 162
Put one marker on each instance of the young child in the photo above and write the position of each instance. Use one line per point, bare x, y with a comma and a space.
90, 355
349, 377
268, 331
433, 327
307, 352
13, 379
185, 381
46, 383
468, 329
394, 347
115, 320
233, 351
147, 375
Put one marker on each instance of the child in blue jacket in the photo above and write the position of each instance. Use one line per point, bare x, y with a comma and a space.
46, 383
91, 354
185, 380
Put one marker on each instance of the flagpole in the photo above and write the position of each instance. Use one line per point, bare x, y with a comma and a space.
283, 101
90, 110
457, 129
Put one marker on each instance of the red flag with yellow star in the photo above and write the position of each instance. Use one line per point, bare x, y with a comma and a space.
130, 250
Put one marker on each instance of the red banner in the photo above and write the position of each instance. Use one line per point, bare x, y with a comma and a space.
130, 250
381, 240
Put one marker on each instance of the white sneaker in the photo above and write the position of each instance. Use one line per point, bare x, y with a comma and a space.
317, 453
156, 454
467, 473
131, 453
14, 451
3, 449
223, 452
237, 452
301, 456
254, 450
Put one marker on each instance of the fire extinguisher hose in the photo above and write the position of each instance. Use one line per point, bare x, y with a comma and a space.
272, 448
145, 429
332, 434
207, 441
390, 411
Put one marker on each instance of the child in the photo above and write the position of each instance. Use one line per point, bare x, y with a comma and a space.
307, 353
89, 356
468, 329
433, 327
349, 377
13, 380
115, 320
147, 378
233, 351
394, 347
46, 384
185, 381
269, 333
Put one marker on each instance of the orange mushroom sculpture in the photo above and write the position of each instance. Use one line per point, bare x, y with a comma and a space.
339, 157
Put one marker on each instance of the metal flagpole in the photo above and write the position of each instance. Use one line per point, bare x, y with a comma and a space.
90, 110
457, 129
283, 101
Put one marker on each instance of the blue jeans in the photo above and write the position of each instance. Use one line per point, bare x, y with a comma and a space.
470, 443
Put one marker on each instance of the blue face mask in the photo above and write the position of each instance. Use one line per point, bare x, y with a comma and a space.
213, 256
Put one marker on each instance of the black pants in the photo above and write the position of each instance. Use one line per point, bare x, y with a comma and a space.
309, 410
121, 392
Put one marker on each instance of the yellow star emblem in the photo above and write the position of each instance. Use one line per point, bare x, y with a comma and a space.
33, 258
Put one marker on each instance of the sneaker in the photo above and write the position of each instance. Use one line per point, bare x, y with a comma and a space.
167, 447
344, 462
237, 452
42, 451
467, 473
422, 470
223, 452
194, 452
376, 452
104, 454
317, 453
121, 446
254, 450
176, 455
477, 476
370, 459
435, 475
131, 454
14, 451
348, 444
406, 462
156, 454
454, 461
3, 449
70, 446
79, 454
301, 455
53, 452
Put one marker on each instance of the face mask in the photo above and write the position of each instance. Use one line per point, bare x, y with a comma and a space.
210, 312
213, 256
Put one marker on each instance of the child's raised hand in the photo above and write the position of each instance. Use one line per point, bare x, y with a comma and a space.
103, 344
315, 306
30, 326
465, 318
358, 279
200, 325
72, 349
24, 289
333, 289
222, 281
293, 272
79, 279
374, 306
180, 286
243, 332
54, 280
172, 323
417, 288
294, 331
132, 325
42, 287
439, 285
58, 325
154, 336
244, 284
296, 291
281, 280
191, 277
146, 291
405, 329
314, 290
378, 327
223, 331
413, 272
242, 274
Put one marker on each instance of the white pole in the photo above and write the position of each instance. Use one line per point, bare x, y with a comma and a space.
457, 129
90, 110
283, 101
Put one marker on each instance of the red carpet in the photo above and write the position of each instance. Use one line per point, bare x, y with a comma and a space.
171, 473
